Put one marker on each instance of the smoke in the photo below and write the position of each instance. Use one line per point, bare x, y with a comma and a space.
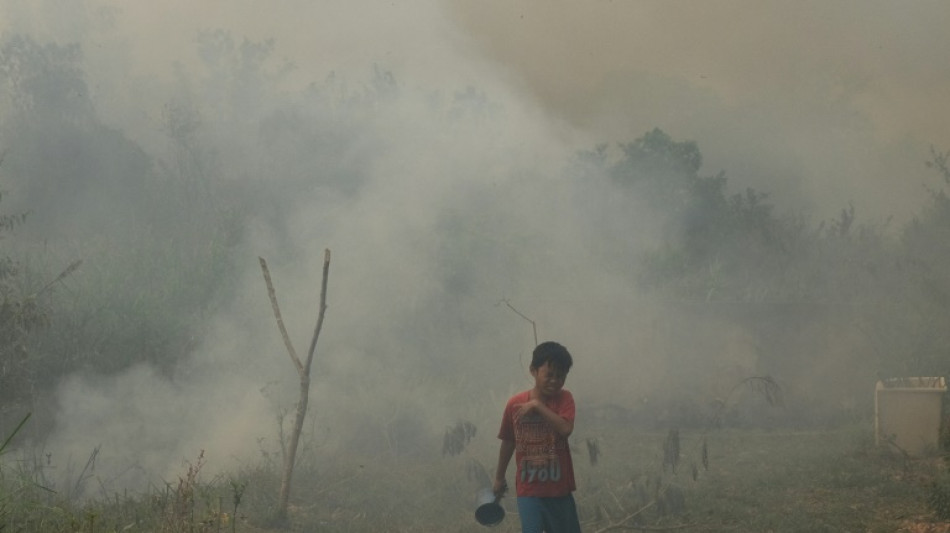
425, 144
820, 104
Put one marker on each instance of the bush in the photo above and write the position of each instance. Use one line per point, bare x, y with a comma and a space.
939, 496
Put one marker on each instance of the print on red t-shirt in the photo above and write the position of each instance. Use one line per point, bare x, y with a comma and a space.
543, 458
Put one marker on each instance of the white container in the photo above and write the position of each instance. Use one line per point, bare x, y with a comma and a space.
907, 413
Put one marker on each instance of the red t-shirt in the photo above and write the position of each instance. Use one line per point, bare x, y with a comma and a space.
543, 458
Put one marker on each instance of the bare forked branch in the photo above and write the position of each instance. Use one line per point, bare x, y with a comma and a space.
303, 371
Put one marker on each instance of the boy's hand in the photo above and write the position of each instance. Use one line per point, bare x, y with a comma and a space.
562, 426
527, 407
499, 487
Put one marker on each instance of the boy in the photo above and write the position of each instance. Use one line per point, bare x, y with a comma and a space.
534, 428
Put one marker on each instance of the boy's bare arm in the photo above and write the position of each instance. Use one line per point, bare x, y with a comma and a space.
505, 452
562, 426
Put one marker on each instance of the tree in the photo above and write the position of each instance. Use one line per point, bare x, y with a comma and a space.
23, 313
924, 253
704, 231
20, 316
303, 371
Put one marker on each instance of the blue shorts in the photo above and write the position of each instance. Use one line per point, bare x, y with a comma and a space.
548, 515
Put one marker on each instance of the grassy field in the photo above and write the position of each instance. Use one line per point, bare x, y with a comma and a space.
761, 481
805, 481
756, 481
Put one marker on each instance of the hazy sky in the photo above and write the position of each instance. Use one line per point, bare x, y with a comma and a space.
881, 58
819, 103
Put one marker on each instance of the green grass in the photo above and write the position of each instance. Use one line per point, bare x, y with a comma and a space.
757, 481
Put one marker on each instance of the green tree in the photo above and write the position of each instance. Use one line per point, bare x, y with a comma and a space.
156, 248
21, 315
706, 234
924, 254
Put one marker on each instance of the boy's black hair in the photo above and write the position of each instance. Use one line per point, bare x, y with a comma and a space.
553, 353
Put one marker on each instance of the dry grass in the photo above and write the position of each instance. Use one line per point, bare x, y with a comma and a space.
757, 481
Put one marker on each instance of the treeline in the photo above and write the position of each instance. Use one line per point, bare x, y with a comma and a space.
830, 306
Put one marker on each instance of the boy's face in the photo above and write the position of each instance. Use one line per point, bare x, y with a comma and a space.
548, 381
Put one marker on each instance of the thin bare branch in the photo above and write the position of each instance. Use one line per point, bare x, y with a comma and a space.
280, 321
16, 430
622, 523
534, 327
323, 309
650, 528
62, 275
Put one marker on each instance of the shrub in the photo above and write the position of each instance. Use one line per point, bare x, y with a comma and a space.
939, 496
